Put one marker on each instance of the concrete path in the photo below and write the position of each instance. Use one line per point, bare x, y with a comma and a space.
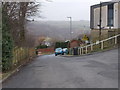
94, 71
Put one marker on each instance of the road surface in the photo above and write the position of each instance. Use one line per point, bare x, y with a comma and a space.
93, 71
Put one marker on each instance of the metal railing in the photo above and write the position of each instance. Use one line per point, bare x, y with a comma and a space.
99, 45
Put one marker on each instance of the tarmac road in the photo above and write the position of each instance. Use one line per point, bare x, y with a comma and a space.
93, 71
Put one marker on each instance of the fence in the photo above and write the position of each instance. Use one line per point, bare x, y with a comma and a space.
99, 45
46, 50
22, 55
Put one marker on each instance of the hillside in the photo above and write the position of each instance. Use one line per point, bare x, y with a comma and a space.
58, 29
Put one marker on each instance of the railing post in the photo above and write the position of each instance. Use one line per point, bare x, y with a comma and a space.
102, 45
17, 55
86, 50
91, 47
116, 40
80, 51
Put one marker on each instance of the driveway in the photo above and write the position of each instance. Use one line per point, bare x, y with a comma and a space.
93, 71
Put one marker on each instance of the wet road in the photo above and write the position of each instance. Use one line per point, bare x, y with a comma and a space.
94, 71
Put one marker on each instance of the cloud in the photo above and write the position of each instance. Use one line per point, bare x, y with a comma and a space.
60, 9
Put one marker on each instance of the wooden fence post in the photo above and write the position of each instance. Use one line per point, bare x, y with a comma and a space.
17, 55
72, 51
91, 47
102, 45
86, 50
115, 40
28, 54
80, 50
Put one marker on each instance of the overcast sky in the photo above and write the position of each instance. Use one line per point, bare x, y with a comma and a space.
61, 9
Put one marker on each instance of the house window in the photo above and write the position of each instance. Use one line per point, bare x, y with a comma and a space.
110, 15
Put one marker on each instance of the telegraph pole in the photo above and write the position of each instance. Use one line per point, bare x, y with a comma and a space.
100, 21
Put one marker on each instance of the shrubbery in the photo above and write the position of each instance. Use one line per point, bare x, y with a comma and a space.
7, 44
41, 46
61, 45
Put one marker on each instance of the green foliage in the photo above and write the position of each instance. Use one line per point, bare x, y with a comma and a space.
41, 46
7, 44
61, 44
0, 36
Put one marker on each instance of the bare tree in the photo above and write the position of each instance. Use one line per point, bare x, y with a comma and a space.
17, 13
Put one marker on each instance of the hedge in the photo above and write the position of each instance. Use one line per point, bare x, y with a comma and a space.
7, 44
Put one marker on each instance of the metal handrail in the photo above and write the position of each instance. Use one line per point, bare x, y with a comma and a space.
80, 49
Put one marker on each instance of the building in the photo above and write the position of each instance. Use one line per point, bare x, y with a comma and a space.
48, 41
75, 43
110, 19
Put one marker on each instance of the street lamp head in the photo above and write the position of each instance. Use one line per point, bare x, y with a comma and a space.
69, 17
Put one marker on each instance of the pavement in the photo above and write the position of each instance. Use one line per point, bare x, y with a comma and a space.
99, 70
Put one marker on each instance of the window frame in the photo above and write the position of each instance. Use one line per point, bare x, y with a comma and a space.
109, 17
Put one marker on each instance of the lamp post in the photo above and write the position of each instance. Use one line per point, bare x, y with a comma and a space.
70, 26
100, 21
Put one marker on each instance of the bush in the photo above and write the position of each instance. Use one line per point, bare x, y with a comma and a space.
42, 46
61, 45
7, 44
